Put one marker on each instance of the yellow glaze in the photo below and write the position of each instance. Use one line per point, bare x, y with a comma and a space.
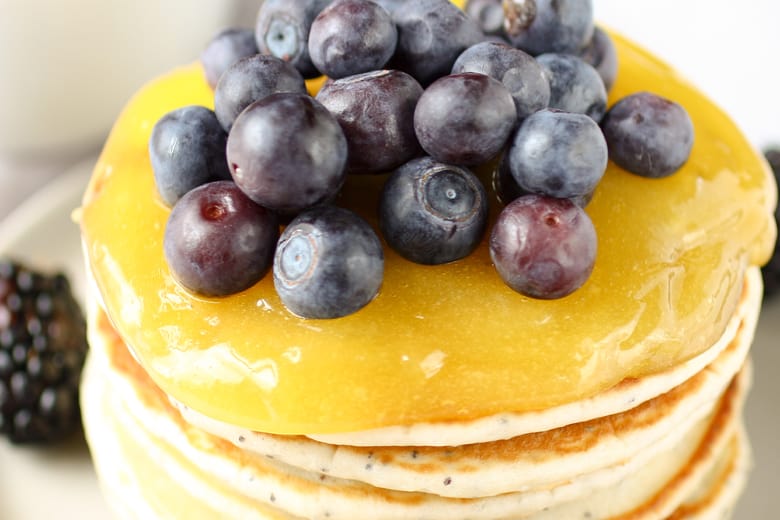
444, 342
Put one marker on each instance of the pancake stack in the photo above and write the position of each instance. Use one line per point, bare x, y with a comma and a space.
671, 445
449, 396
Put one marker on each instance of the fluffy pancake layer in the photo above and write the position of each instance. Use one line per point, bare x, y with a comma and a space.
672, 454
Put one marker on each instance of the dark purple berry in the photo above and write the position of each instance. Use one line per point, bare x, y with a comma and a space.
431, 35
601, 54
504, 185
518, 16
543, 247
329, 263
224, 49
554, 26
217, 241
390, 5
187, 149
431, 212
282, 30
575, 86
351, 37
43, 346
525, 79
489, 14
771, 271
287, 153
376, 112
648, 135
251, 79
558, 154
506, 188
464, 118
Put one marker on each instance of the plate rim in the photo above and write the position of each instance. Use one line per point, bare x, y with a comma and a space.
64, 187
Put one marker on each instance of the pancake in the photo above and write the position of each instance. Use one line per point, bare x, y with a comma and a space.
653, 456
719, 491
651, 304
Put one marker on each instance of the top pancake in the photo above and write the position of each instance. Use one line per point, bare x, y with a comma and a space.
443, 343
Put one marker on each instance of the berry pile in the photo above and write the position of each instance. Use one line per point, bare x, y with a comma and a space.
771, 271
421, 91
42, 350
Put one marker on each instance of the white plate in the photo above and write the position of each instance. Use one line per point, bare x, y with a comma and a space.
44, 483
59, 481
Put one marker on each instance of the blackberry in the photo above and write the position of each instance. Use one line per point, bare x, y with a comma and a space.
771, 271
43, 345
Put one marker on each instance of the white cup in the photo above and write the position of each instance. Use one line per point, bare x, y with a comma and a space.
68, 66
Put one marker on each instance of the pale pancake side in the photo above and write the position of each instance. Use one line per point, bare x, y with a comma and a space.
720, 491
144, 478
278, 485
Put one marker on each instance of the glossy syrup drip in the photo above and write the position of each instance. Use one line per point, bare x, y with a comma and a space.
440, 342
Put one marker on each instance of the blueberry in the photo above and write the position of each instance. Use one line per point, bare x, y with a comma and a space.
391, 6
251, 79
575, 86
558, 154
648, 134
431, 35
555, 26
282, 30
224, 49
328, 263
601, 54
287, 152
489, 14
506, 188
504, 185
464, 118
376, 112
351, 37
431, 212
217, 241
771, 270
543, 247
518, 15
187, 149
518, 71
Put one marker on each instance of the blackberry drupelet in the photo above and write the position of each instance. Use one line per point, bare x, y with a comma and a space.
771, 271
43, 345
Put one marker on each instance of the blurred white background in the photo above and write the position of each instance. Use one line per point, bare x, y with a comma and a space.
67, 67
730, 50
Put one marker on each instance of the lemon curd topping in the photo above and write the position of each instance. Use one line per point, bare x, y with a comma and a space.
444, 342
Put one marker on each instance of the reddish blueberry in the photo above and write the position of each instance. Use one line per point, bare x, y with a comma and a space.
543, 247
